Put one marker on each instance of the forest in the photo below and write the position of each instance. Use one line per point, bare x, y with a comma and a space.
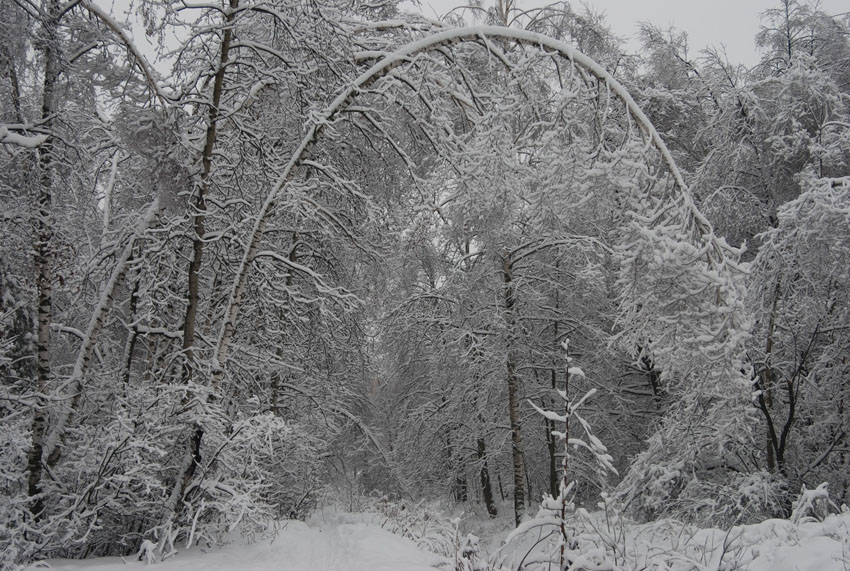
332, 251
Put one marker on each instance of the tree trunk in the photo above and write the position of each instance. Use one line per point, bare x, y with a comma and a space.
551, 440
552, 446
484, 474
43, 233
565, 474
192, 455
767, 382
513, 393
460, 491
52, 445
200, 205
132, 334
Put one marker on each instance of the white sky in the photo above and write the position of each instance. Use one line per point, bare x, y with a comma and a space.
718, 23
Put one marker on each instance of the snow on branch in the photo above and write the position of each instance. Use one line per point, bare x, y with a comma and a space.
9, 136
139, 59
98, 316
716, 253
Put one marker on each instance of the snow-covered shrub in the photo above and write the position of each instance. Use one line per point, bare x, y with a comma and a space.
742, 498
468, 556
254, 470
552, 537
800, 294
593, 540
14, 513
692, 467
432, 531
813, 505
108, 491
662, 483
422, 523
607, 540
680, 490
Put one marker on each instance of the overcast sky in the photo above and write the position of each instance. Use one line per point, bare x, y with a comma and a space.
729, 23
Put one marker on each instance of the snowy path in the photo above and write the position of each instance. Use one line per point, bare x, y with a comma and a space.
337, 542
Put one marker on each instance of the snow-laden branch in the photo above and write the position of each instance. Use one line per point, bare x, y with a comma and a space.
531, 248
139, 59
8, 136
342, 410
401, 56
74, 381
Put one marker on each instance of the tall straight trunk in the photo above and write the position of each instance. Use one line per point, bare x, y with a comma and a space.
513, 393
461, 486
192, 455
551, 445
551, 440
766, 382
565, 473
277, 377
42, 246
460, 491
200, 204
275, 389
13, 84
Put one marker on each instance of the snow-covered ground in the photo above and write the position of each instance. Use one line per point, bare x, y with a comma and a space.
328, 542
332, 540
614, 544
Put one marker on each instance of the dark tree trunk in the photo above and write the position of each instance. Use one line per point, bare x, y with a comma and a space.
513, 393
200, 205
551, 440
133, 334
484, 474
43, 226
193, 451
460, 491
552, 447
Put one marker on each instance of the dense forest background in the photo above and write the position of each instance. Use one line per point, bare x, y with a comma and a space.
337, 247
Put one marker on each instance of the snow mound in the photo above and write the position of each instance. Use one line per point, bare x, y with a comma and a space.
813, 540
771, 545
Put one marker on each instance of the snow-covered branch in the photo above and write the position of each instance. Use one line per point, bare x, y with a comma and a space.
10, 136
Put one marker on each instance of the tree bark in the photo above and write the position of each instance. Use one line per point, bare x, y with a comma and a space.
52, 445
132, 334
460, 490
192, 455
551, 440
513, 392
486, 484
200, 205
43, 258
552, 446
565, 473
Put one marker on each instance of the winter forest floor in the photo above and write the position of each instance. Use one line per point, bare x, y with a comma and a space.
421, 539
329, 541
